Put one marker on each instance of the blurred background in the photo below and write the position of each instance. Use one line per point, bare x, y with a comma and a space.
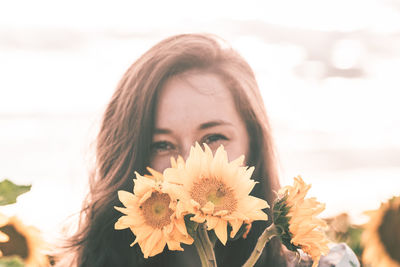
328, 71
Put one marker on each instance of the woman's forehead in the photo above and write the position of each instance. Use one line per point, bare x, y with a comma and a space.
194, 98
204, 82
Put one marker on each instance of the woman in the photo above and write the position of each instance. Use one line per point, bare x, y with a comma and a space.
186, 88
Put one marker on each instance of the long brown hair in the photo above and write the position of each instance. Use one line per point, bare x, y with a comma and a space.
123, 146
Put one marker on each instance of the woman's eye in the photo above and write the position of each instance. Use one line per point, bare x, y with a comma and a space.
212, 138
162, 146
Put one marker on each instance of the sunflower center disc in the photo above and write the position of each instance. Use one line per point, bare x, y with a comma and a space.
389, 233
215, 191
156, 210
17, 244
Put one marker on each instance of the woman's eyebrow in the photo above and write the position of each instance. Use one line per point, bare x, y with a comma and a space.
202, 126
211, 124
162, 131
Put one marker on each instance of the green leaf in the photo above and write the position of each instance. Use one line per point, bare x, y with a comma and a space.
353, 239
13, 261
10, 191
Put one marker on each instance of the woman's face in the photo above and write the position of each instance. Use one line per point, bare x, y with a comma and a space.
196, 107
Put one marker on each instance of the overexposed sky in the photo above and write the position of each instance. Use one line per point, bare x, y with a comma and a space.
341, 15
61, 60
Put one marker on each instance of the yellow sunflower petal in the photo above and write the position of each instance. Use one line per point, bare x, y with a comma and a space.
173, 175
212, 222
236, 224
180, 225
173, 245
150, 213
179, 161
221, 231
143, 234
199, 218
256, 203
125, 210
237, 162
125, 222
149, 245
195, 204
176, 235
145, 197
126, 198
208, 208
154, 174
173, 162
237, 216
159, 247
134, 242
221, 213
142, 184
219, 162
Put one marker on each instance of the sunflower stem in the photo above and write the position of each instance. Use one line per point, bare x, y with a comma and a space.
264, 238
207, 245
200, 252
213, 238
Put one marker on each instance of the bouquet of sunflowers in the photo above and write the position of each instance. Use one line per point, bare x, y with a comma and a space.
207, 192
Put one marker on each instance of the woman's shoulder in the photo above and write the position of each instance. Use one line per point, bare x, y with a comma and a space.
340, 255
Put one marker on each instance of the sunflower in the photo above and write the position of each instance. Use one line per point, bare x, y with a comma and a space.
3, 237
381, 236
216, 191
150, 215
23, 241
296, 222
